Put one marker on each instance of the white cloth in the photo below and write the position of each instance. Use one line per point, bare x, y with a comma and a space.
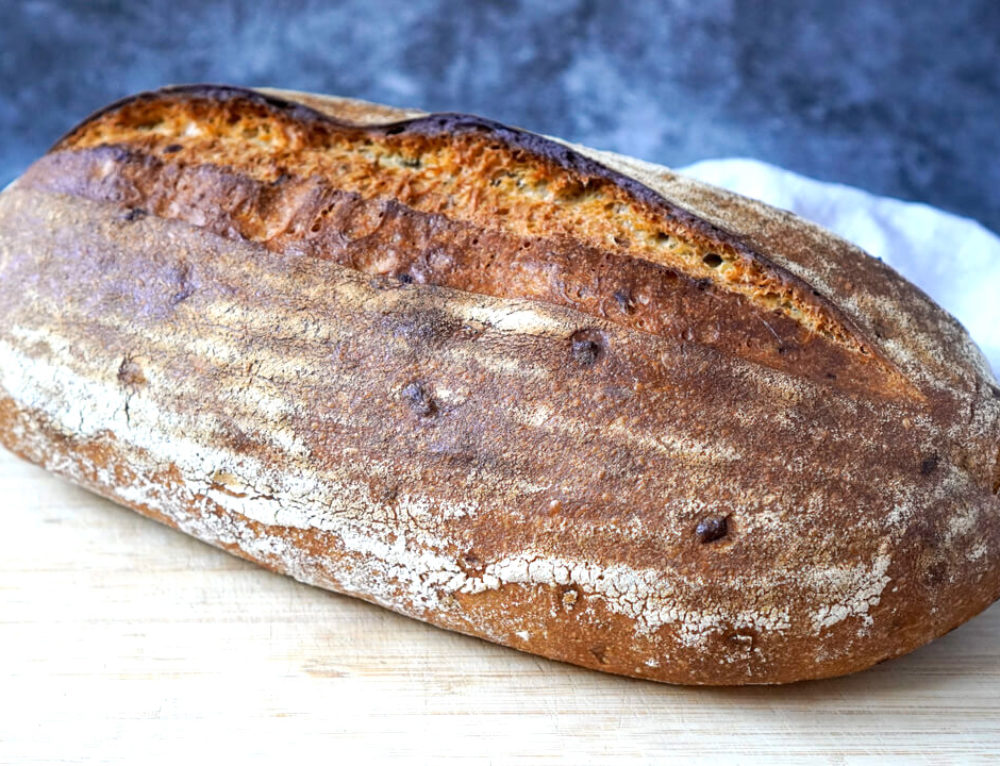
954, 260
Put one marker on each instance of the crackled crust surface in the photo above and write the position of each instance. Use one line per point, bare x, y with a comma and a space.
625, 473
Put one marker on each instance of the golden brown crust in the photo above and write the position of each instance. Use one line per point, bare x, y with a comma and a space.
543, 473
481, 207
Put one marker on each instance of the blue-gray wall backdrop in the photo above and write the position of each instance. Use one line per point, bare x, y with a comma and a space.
900, 97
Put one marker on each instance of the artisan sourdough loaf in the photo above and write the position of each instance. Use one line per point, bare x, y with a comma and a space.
559, 399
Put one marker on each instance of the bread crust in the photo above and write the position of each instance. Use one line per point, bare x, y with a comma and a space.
660, 504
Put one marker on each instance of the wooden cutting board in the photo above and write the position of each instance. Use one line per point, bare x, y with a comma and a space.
122, 641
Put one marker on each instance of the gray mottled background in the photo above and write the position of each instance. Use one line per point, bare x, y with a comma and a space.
901, 97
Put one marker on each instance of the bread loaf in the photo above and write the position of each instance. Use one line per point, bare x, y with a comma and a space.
559, 399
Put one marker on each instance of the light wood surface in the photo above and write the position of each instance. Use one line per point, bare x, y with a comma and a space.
126, 642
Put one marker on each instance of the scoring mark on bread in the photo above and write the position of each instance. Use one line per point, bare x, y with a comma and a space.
454, 200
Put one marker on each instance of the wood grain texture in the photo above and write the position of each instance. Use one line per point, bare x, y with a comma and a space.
126, 642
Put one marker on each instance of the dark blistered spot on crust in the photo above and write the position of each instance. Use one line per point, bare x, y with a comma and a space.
623, 299
712, 528
586, 347
935, 573
419, 400
929, 465
470, 330
130, 373
472, 558
599, 653
471, 563
423, 330
585, 352
133, 214
183, 278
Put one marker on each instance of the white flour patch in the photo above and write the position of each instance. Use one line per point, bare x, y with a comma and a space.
512, 317
674, 445
861, 588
